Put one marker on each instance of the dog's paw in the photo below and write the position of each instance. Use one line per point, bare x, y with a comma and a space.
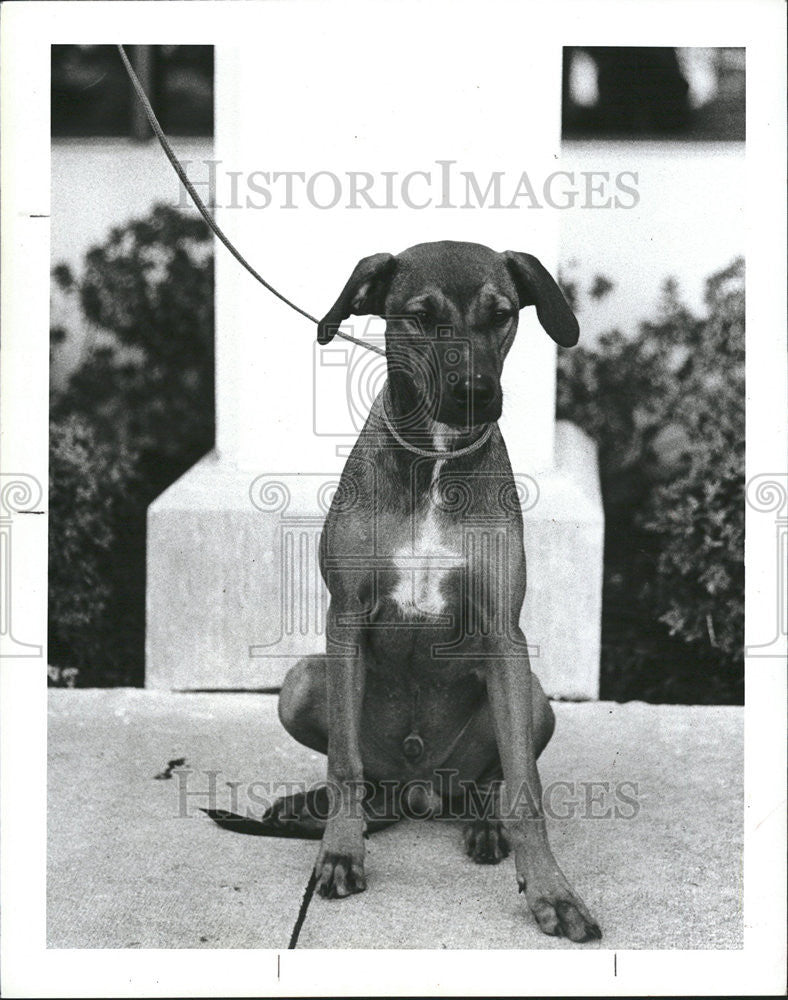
339, 870
485, 841
339, 875
561, 913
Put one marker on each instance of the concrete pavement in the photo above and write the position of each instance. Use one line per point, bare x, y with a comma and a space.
647, 813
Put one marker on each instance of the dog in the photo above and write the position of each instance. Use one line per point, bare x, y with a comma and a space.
426, 681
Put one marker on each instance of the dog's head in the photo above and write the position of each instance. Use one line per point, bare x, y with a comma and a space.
451, 313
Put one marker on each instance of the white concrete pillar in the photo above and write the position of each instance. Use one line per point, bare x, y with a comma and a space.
322, 94
438, 115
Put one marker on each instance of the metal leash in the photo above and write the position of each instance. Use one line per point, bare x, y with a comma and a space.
202, 209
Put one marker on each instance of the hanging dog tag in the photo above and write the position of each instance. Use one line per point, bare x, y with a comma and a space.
413, 746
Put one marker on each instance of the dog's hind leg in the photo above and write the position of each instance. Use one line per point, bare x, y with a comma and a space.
303, 713
305, 813
485, 839
302, 703
484, 833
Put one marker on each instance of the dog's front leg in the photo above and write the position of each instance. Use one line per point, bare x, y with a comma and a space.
557, 908
340, 862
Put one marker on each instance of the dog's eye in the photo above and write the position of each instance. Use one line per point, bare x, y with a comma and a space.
500, 317
422, 316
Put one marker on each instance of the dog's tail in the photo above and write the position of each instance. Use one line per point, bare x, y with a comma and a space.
301, 817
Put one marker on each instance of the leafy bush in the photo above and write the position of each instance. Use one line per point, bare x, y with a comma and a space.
132, 419
666, 408
90, 483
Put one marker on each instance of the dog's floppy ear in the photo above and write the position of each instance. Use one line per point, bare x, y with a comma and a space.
536, 287
365, 293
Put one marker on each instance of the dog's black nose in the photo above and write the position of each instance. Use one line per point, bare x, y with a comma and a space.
477, 392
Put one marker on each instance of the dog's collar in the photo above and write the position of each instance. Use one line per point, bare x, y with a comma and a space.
424, 452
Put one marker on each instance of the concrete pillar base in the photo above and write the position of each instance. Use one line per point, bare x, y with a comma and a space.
234, 593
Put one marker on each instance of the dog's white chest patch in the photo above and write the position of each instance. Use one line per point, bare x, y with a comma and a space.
423, 563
